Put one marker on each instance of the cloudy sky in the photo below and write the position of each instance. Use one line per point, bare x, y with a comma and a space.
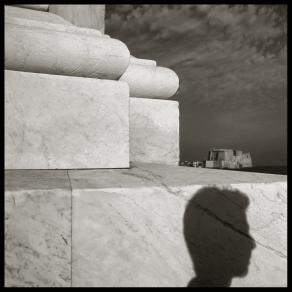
232, 65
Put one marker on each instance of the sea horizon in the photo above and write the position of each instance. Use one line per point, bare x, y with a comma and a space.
272, 169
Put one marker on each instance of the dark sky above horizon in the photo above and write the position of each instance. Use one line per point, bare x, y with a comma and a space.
232, 65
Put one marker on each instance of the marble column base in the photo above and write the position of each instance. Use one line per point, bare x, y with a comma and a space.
149, 81
154, 131
61, 122
39, 50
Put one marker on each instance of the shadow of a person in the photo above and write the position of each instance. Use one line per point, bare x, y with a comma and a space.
217, 236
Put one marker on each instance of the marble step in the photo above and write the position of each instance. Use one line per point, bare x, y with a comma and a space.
154, 131
150, 225
62, 122
39, 50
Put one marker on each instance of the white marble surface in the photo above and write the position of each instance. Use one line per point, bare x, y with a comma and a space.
34, 15
60, 122
52, 26
91, 16
134, 226
131, 222
39, 50
134, 60
42, 7
150, 81
37, 229
154, 131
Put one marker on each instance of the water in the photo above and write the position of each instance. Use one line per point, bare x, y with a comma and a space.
274, 169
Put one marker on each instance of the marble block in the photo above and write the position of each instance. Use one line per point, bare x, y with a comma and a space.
42, 7
53, 26
37, 229
34, 15
39, 50
150, 81
150, 225
91, 16
154, 131
63, 122
156, 226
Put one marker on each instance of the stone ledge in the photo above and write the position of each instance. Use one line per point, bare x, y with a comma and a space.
170, 175
136, 227
132, 222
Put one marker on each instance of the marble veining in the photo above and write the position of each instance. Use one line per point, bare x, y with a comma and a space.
37, 229
138, 235
61, 122
154, 131
31, 48
131, 222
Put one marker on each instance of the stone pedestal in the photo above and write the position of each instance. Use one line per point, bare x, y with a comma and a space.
65, 122
54, 46
134, 223
154, 131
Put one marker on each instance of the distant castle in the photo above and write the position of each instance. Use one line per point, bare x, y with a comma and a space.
223, 158
228, 158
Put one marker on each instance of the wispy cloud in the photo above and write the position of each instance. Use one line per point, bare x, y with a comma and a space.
229, 58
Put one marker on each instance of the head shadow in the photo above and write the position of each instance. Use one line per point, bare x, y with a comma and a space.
217, 235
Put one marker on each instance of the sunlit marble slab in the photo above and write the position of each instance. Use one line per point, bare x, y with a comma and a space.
136, 227
61, 122
154, 131
37, 228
